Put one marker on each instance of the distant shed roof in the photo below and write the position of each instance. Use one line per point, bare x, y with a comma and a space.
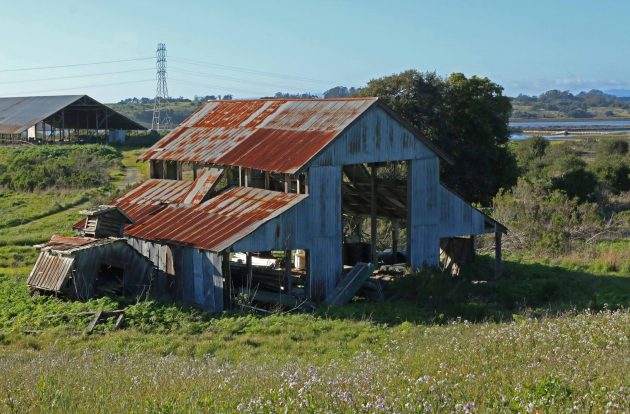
17, 114
280, 135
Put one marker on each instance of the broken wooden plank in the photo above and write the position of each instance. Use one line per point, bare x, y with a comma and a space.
119, 321
275, 298
353, 281
92, 324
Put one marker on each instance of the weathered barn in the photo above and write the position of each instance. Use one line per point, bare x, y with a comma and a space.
55, 118
287, 175
82, 267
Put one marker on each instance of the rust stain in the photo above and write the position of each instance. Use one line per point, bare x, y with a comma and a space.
217, 223
279, 135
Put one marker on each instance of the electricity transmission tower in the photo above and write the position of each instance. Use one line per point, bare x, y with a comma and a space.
160, 119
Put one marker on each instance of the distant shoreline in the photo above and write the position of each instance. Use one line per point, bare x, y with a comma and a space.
597, 119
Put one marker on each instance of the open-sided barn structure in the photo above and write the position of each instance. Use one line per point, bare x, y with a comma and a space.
287, 175
54, 118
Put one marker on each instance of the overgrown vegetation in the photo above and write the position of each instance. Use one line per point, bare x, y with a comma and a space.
569, 197
55, 166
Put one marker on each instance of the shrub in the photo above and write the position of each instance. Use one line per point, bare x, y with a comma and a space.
613, 173
544, 220
42, 167
607, 147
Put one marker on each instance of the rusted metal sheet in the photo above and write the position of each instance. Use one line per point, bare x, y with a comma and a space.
203, 185
154, 194
50, 271
279, 135
217, 223
155, 191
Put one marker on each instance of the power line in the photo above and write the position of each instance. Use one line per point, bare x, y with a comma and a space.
209, 85
75, 65
248, 70
74, 76
78, 87
231, 78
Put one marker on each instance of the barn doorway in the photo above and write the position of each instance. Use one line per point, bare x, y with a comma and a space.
109, 280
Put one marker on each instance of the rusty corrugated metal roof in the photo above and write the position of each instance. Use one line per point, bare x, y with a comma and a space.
217, 223
279, 135
154, 194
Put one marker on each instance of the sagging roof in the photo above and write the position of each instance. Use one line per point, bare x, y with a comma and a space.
280, 135
17, 114
56, 259
154, 194
217, 223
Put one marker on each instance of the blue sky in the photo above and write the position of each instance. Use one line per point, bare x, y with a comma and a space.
298, 46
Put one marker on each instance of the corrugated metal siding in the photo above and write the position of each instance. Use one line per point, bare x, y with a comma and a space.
459, 218
138, 270
423, 232
268, 134
50, 271
198, 274
314, 224
375, 137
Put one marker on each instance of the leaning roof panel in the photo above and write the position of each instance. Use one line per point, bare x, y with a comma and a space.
279, 135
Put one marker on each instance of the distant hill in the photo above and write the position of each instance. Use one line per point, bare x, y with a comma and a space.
564, 104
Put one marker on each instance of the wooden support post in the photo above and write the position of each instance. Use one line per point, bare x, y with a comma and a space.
267, 180
248, 177
287, 183
498, 261
374, 255
240, 176
305, 183
395, 237
250, 273
288, 275
297, 186
180, 173
227, 280
194, 169
164, 169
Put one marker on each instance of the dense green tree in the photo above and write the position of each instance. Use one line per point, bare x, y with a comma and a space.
607, 147
529, 154
466, 117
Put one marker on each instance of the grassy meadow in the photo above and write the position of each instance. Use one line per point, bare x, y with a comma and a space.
551, 336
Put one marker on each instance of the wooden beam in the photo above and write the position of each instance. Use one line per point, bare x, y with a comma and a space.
395, 236
287, 183
498, 261
250, 274
227, 280
288, 275
373, 214
267, 180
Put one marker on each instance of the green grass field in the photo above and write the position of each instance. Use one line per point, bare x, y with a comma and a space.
550, 336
